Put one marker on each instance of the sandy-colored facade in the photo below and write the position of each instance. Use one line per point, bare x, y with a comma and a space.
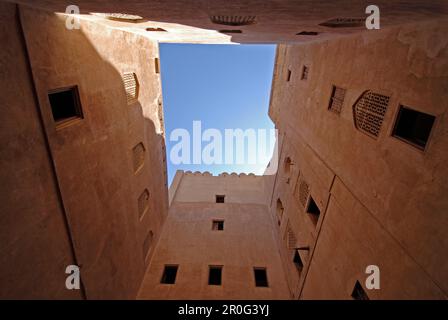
92, 190
189, 241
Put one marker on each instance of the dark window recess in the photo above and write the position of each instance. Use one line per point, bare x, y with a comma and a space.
261, 278
214, 275
313, 210
156, 29
298, 261
156, 65
358, 292
169, 275
413, 126
65, 104
218, 225
219, 199
230, 31
307, 33
288, 77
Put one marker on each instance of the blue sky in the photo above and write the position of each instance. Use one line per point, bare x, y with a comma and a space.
223, 86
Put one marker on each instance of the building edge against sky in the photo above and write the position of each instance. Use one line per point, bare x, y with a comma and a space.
354, 188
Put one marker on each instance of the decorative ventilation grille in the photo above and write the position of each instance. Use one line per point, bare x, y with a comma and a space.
291, 239
143, 203
234, 20
304, 192
130, 86
138, 153
337, 99
344, 23
369, 111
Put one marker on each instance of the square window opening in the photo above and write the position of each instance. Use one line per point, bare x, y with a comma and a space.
220, 198
169, 275
413, 126
65, 104
261, 278
218, 225
215, 275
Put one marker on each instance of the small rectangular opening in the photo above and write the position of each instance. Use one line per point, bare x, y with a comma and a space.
157, 65
169, 275
413, 126
218, 225
298, 261
261, 278
304, 73
65, 104
220, 198
230, 31
358, 292
288, 78
313, 210
214, 275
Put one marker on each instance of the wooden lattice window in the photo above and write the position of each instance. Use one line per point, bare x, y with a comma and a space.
369, 111
143, 203
138, 155
344, 23
337, 99
303, 191
234, 20
131, 87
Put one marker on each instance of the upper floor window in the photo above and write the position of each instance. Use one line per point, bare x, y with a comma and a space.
220, 198
413, 126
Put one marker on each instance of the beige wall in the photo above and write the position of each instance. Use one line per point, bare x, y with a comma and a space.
188, 240
203, 187
93, 158
34, 243
382, 200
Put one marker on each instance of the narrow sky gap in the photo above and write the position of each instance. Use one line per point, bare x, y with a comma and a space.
223, 86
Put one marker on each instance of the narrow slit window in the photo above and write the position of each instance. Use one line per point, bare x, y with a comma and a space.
215, 275
288, 77
65, 104
305, 70
261, 277
220, 198
298, 261
157, 65
169, 275
218, 225
359, 293
313, 211
413, 126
